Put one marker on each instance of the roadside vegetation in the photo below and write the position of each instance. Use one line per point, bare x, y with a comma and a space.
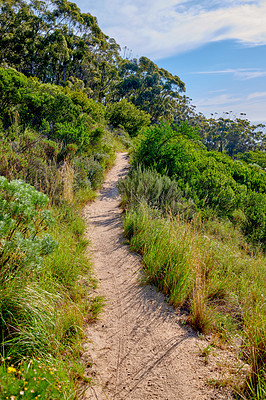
53, 157
195, 199
54, 153
45, 295
201, 232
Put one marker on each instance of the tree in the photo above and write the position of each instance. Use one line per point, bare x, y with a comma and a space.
54, 41
12, 89
232, 135
148, 87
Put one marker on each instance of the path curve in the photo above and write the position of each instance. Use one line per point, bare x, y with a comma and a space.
139, 349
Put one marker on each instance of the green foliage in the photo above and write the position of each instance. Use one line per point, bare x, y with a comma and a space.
58, 43
33, 379
204, 265
212, 272
148, 87
64, 117
42, 314
254, 157
211, 179
158, 191
128, 116
22, 218
69, 133
232, 135
88, 106
47, 126
90, 170
227, 134
12, 90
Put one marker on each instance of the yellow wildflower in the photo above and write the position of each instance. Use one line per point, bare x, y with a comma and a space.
11, 369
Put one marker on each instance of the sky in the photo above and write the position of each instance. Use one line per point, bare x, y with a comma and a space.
216, 47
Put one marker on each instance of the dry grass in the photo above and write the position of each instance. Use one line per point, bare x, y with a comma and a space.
67, 173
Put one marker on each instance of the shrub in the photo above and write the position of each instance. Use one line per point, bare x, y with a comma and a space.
128, 116
158, 191
215, 182
33, 379
23, 218
88, 173
204, 266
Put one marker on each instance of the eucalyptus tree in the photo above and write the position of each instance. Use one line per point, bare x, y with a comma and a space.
148, 87
233, 135
54, 40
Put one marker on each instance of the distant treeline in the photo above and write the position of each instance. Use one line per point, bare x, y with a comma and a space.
57, 43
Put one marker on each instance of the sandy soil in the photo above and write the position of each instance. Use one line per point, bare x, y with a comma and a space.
139, 348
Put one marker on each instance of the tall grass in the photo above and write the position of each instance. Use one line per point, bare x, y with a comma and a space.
42, 312
209, 270
67, 172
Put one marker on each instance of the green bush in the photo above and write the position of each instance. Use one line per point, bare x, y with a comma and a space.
216, 184
158, 191
212, 272
88, 172
23, 218
128, 116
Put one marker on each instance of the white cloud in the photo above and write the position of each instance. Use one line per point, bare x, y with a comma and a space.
253, 105
222, 100
160, 29
256, 95
241, 73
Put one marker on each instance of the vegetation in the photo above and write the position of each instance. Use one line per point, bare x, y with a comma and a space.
43, 303
195, 197
195, 229
205, 270
218, 185
124, 114
56, 140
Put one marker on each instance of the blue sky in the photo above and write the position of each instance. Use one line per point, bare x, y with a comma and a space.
217, 47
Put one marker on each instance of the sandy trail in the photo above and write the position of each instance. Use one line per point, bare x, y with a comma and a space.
139, 349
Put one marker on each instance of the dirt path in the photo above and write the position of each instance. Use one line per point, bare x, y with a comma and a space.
139, 348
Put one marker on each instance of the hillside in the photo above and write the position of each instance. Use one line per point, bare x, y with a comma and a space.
194, 200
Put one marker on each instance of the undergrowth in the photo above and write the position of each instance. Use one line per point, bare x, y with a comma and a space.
208, 269
44, 298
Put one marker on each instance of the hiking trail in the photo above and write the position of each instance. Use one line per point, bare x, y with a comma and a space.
139, 348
